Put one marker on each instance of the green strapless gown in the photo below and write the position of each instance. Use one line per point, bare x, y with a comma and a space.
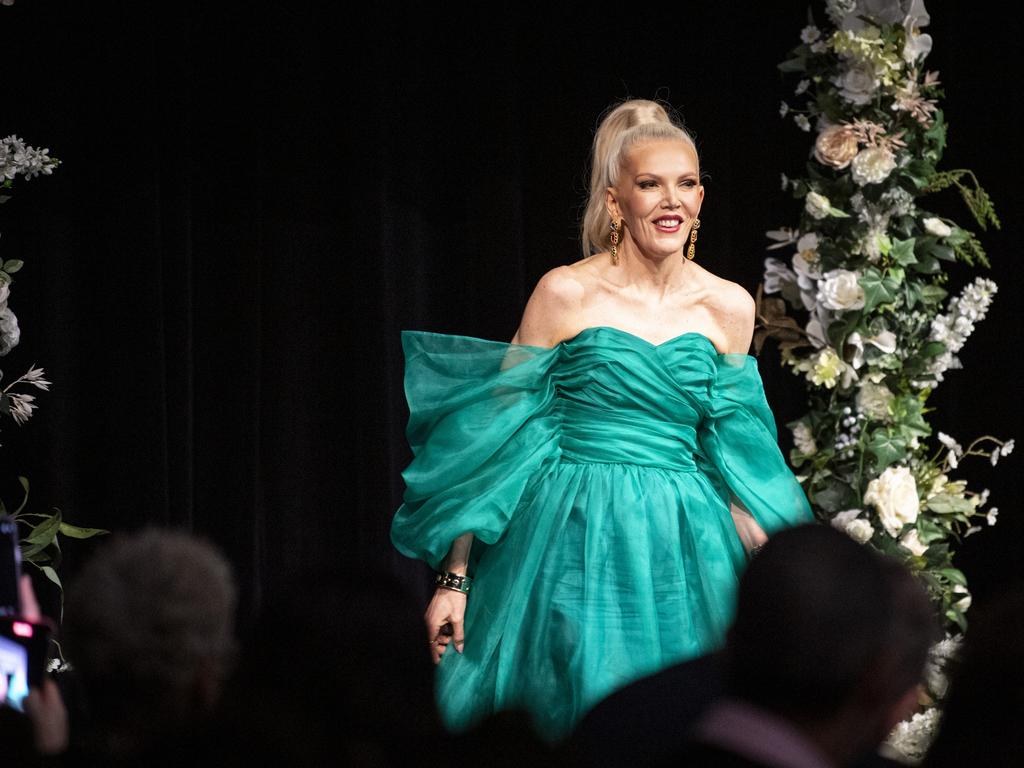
596, 478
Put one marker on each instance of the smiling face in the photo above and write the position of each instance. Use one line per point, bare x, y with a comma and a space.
657, 196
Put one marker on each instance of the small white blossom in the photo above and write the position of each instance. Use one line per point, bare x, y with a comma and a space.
783, 109
777, 275
937, 227
785, 182
782, 237
953, 328
950, 443
21, 406
965, 602
1007, 448
809, 34
801, 87
803, 440
817, 205
994, 457
802, 122
991, 516
819, 46
912, 542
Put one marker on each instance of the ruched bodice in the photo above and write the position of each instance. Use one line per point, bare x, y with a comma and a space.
596, 477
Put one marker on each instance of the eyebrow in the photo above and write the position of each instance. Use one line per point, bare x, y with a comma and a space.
656, 176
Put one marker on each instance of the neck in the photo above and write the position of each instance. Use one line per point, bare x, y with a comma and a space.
660, 272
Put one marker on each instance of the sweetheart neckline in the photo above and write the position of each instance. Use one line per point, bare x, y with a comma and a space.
641, 339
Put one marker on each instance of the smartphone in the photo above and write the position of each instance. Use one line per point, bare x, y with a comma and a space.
10, 567
24, 645
24, 652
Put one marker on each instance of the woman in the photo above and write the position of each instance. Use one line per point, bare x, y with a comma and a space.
600, 479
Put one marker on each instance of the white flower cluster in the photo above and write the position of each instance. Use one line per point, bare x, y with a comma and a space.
19, 159
10, 333
953, 328
911, 738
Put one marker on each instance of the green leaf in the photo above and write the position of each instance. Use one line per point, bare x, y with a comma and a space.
933, 294
947, 504
13, 265
954, 576
878, 289
903, 252
929, 531
835, 496
45, 532
887, 447
74, 532
52, 576
799, 64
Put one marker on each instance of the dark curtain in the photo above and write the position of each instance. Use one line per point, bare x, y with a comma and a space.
253, 203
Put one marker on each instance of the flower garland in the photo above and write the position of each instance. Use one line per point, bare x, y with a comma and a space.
39, 542
866, 275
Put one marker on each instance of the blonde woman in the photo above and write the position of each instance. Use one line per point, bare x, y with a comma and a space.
590, 493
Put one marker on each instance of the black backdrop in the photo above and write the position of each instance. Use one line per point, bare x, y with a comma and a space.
254, 202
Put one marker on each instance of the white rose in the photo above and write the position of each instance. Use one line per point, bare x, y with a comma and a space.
872, 165
894, 496
937, 227
858, 84
874, 400
840, 289
817, 205
913, 543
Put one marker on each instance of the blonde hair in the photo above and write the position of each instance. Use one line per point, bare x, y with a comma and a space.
632, 122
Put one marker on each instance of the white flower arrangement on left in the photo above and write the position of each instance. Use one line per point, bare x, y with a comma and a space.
39, 542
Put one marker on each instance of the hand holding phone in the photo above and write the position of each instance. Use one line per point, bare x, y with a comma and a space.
24, 639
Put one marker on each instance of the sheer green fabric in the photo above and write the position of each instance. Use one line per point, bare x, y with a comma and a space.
596, 477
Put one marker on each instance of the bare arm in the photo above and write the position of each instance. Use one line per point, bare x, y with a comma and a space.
735, 316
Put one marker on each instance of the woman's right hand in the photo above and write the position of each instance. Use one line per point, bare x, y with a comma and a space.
444, 618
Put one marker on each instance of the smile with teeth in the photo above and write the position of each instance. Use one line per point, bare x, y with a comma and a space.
668, 223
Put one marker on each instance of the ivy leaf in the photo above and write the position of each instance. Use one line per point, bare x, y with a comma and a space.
13, 265
929, 531
903, 252
887, 447
878, 289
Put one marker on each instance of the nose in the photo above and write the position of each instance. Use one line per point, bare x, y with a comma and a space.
671, 199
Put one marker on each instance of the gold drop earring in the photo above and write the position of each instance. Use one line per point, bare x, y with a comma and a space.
615, 242
693, 239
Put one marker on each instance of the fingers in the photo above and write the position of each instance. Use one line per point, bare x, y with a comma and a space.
29, 604
458, 634
45, 708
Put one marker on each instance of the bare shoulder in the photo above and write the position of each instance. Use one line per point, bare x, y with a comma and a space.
552, 308
733, 309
